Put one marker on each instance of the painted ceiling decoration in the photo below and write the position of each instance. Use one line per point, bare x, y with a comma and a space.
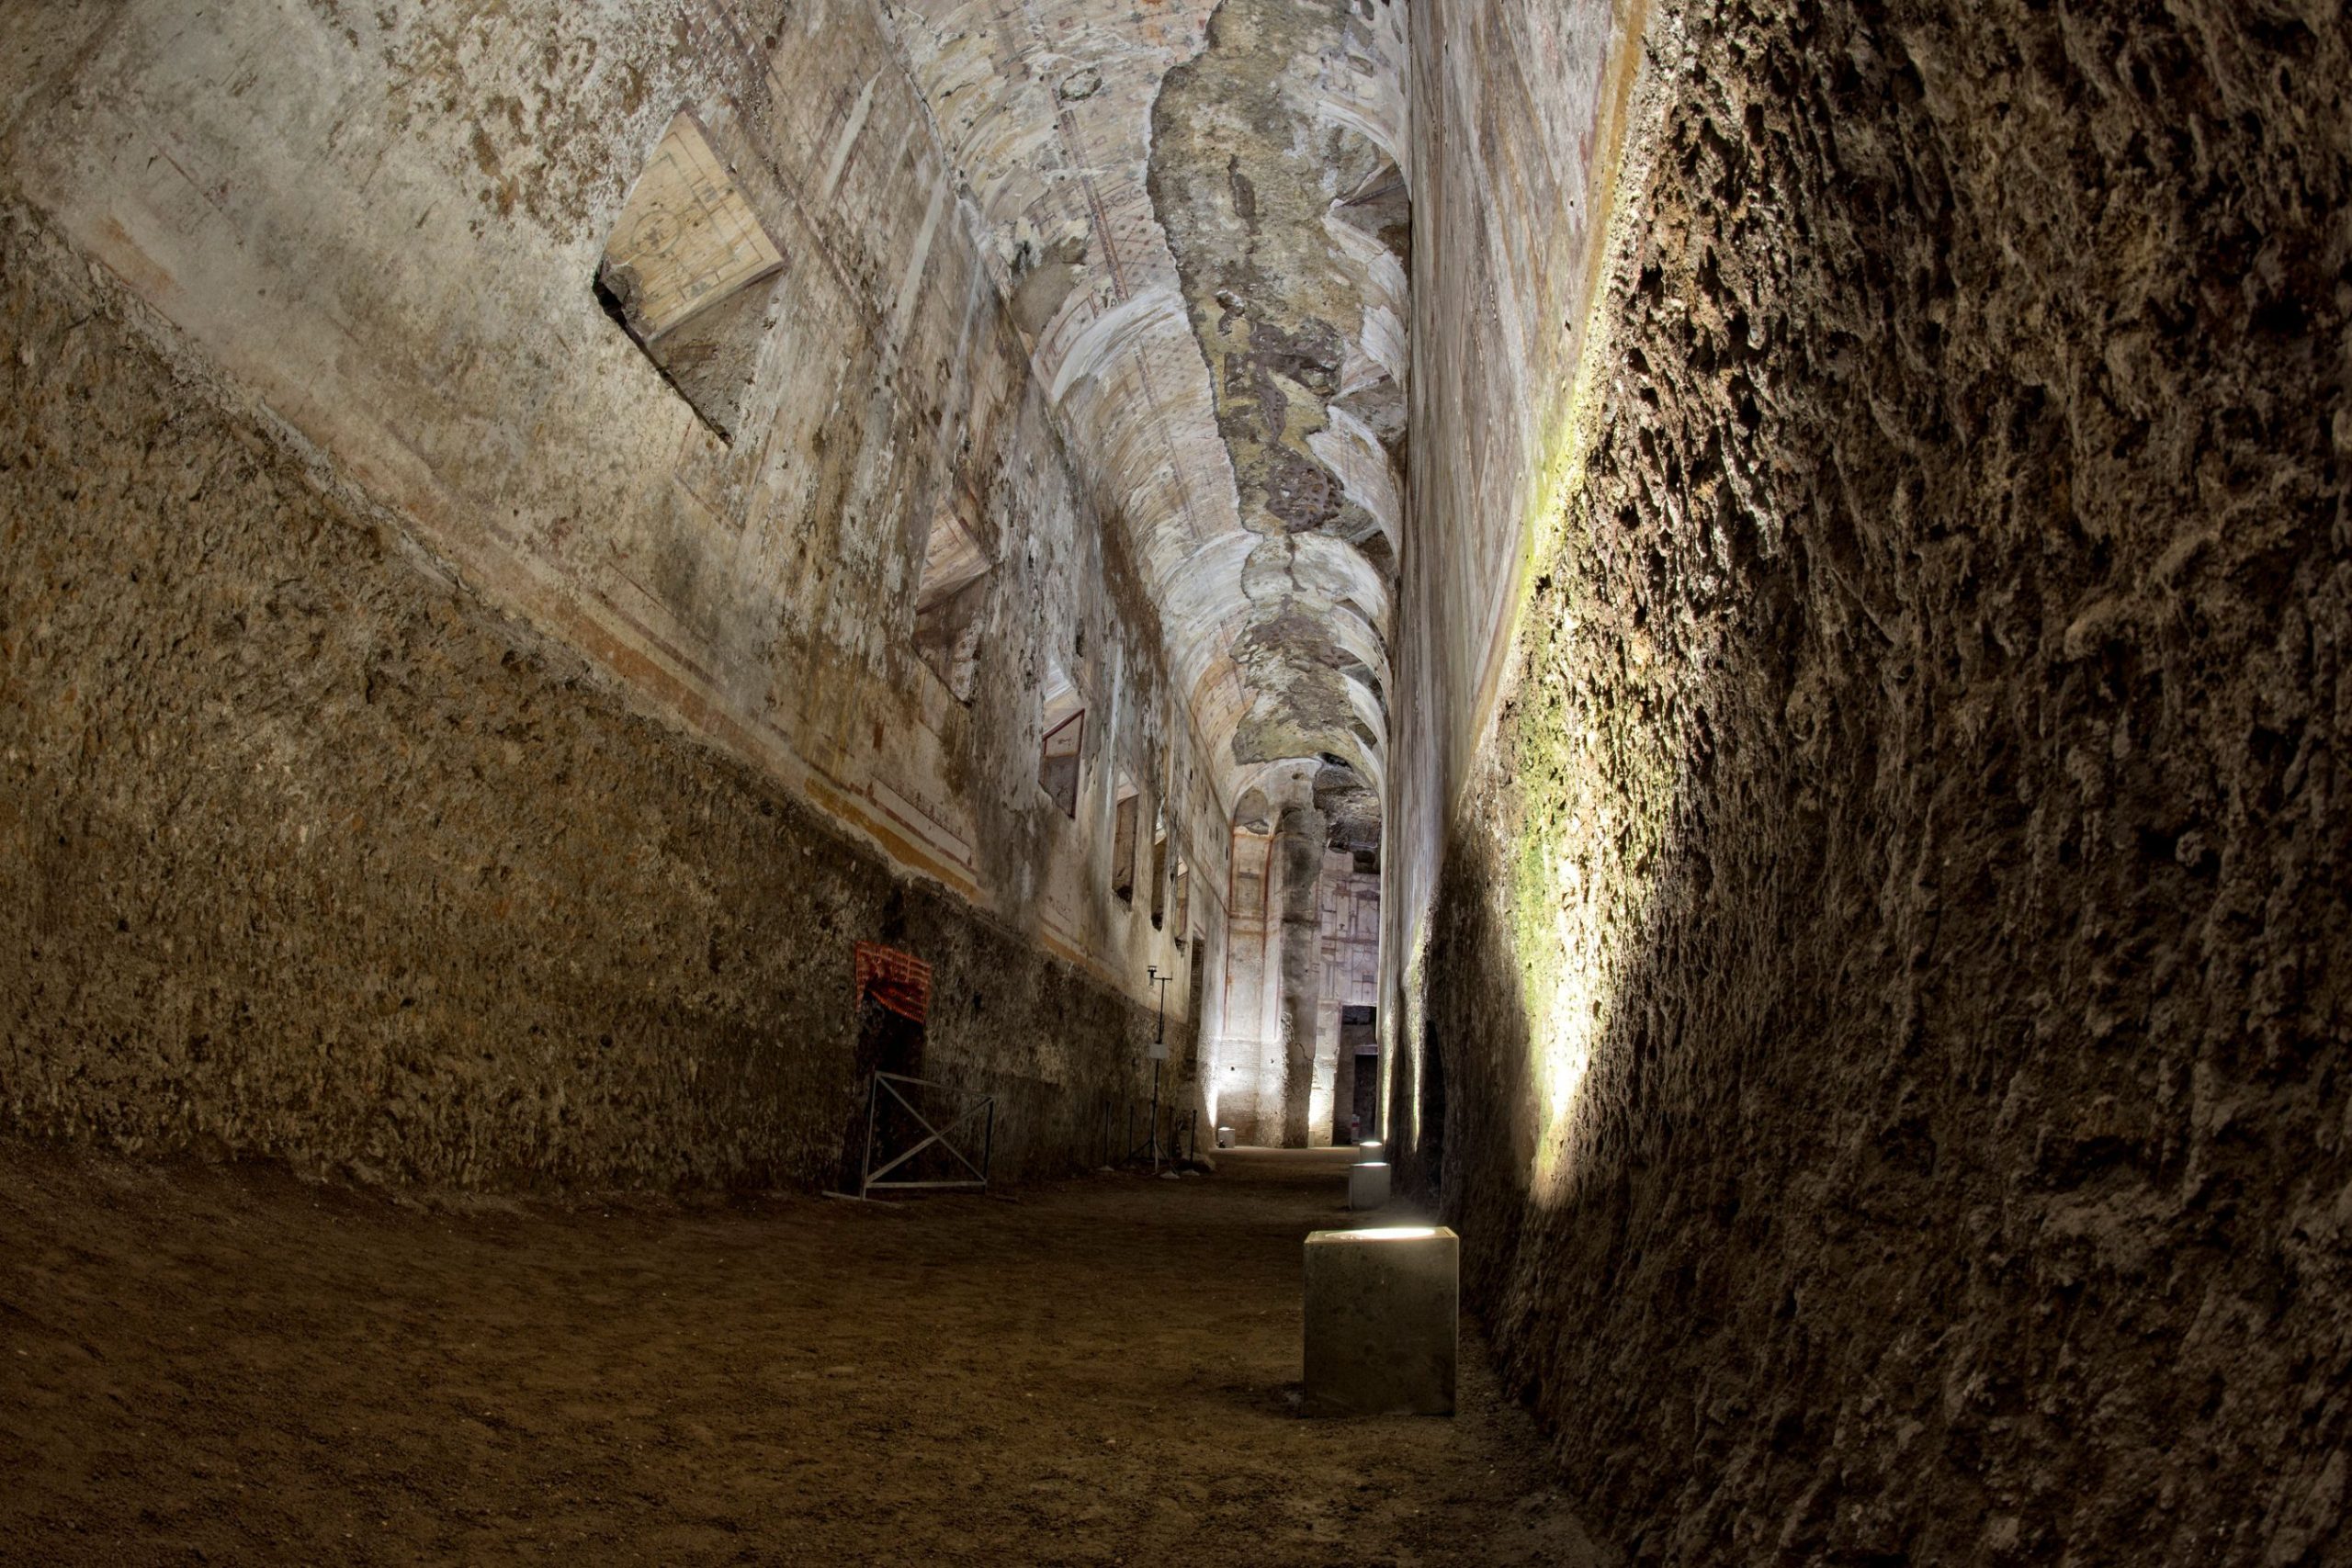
1199, 216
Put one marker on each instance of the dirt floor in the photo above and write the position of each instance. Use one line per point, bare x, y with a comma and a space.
201, 1364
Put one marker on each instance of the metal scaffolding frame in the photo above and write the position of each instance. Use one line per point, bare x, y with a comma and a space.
872, 1180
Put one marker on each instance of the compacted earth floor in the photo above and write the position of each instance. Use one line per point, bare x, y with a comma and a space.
226, 1365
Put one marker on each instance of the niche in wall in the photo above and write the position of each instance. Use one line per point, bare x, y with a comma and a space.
1184, 899
949, 603
1123, 842
1159, 869
1065, 725
689, 272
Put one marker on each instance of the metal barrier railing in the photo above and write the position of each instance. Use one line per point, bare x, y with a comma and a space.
872, 1179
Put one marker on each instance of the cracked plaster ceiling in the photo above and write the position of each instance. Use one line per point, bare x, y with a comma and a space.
1197, 215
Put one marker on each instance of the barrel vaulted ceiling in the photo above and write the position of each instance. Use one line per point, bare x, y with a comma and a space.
1198, 216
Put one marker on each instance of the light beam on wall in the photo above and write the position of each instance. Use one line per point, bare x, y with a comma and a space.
1581, 886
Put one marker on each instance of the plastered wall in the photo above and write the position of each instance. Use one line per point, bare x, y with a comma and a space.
359, 248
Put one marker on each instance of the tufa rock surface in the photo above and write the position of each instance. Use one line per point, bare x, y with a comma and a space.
1888, 975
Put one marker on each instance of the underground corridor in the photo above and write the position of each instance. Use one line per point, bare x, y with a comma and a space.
1277, 781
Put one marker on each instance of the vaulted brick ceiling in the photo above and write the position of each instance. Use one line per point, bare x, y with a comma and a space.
1199, 216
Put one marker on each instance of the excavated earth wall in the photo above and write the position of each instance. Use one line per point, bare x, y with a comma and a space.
1889, 961
310, 855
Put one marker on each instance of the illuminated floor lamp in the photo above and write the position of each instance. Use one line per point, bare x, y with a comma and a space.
1382, 1312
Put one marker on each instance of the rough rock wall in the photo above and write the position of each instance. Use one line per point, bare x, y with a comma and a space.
1889, 965
310, 855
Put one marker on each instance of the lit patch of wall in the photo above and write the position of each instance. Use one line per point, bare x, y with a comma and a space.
1510, 215
1607, 777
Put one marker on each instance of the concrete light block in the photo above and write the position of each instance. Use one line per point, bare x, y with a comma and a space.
1381, 1312
1367, 1185
1224, 1137
1370, 1150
